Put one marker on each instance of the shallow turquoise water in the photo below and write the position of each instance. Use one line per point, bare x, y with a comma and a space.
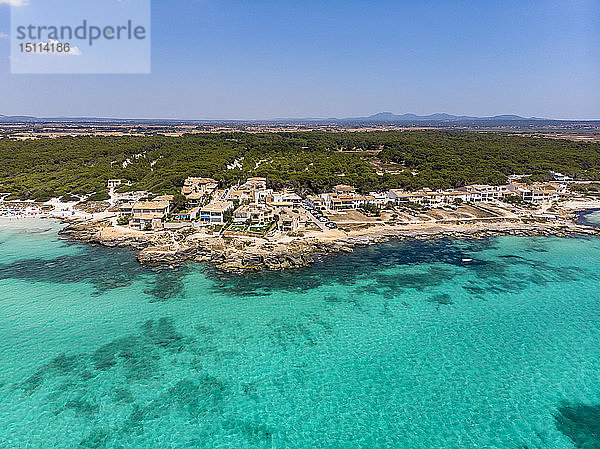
396, 346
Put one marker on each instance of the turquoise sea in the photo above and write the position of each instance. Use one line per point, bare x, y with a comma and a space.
401, 345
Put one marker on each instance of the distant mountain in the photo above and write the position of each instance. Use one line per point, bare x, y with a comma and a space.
17, 118
438, 117
388, 116
413, 119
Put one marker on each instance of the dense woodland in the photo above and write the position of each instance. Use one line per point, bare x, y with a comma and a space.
307, 161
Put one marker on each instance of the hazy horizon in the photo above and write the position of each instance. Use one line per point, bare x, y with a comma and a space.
274, 119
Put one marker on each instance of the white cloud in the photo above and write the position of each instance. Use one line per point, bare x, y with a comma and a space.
13, 2
4, 35
73, 51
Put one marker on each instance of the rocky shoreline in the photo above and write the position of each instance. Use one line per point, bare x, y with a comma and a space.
240, 255
229, 254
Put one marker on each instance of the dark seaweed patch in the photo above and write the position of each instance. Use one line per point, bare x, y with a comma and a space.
62, 365
345, 269
104, 268
97, 438
292, 334
519, 273
195, 398
105, 357
581, 423
200, 398
252, 432
507, 274
390, 285
139, 355
168, 284
79, 404
333, 299
442, 299
305, 331
123, 396
163, 334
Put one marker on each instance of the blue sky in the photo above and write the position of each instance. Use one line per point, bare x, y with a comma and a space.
262, 59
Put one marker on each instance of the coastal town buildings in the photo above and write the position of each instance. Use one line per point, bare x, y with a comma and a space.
534, 193
344, 201
167, 198
126, 209
379, 199
252, 204
241, 195
263, 196
195, 199
343, 197
253, 190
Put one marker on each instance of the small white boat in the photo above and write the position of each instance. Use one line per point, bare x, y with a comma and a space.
466, 260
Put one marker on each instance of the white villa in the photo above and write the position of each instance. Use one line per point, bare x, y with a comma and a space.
151, 214
212, 213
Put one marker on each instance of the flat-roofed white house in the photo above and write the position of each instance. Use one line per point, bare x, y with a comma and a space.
168, 198
256, 214
149, 214
473, 194
241, 214
114, 183
195, 198
538, 192
289, 221
318, 202
560, 178
145, 207
212, 213
345, 201
284, 199
188, 215
486, 193
239, 194
400, 196
378, 198
263, 195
